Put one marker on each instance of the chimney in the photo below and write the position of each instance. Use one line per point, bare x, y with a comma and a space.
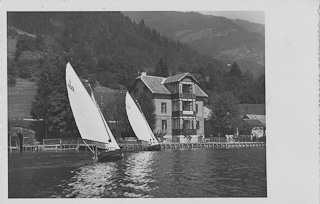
143, 73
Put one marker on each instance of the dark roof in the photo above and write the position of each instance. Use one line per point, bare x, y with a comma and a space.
200, 92
21, 130
254, 109
254, 123
179, 77
156, 84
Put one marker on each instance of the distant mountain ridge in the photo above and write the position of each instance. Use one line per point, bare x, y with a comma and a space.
222, 38
251, 27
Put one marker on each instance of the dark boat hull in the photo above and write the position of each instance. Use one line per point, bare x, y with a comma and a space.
107, 156
153, 147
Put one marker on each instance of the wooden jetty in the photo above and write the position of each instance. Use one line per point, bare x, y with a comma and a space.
215, 145
77, 144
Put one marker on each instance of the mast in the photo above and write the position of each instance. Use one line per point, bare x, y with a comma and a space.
151, 133
101, 115
138, 120
88, 116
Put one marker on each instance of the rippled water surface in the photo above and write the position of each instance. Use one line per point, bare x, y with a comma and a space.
165, 174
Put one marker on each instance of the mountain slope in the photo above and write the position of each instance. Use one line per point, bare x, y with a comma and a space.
251, 27
218, 37
107, 45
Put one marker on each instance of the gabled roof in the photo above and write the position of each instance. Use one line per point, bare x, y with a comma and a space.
155, 84
254, 123
179, 77
21, 130
252, 109
261, 118
200, 92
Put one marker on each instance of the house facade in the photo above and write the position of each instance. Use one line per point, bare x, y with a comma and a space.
179, 103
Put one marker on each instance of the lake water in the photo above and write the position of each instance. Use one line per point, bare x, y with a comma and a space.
170, 173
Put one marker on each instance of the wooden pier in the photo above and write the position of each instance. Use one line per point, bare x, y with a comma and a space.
76, 146
215, 145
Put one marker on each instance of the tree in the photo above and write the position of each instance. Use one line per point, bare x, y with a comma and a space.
235, 70
225, 116
51, 104
148, 108
116, 109
11, 72
162, 68
24, 43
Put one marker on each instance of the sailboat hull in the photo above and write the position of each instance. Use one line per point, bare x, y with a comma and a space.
153, 147
107, 156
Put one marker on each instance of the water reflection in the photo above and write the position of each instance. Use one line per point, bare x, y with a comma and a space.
90, 180
138, 174
175, 173
126, 178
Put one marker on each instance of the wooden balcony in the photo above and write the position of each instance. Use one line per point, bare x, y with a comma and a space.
183, 113
183, 95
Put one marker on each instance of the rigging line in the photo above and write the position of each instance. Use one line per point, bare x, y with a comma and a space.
139, 107
88, 146
101, 115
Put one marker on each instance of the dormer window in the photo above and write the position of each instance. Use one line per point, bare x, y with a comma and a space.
186, 88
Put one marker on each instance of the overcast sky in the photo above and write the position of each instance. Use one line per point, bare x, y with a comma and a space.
252, 16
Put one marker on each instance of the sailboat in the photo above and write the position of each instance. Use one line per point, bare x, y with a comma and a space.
140, 125
90, 121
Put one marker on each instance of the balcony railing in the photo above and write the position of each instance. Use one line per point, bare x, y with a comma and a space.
183, 113
184, 95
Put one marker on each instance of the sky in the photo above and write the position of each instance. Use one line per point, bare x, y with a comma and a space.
252, 16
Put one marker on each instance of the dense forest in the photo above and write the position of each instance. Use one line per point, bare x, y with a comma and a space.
109, 49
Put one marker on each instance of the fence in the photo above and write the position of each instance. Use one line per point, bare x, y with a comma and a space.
62, 144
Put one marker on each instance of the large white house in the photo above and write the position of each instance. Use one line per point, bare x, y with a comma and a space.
179, 103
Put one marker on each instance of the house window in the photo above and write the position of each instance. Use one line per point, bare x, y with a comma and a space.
186, 88
197, 108
187, 105
164, 124
175, 106
187, 124
163, 107
198, 125
176, 124
175, 88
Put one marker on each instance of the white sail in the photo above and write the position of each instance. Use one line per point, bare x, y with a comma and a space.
138, 122
89, 119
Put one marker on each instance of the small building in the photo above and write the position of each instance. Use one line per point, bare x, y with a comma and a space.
254, 128
179, 105
254, 120
21, 138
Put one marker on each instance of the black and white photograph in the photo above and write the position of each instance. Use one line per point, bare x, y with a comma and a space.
202, 100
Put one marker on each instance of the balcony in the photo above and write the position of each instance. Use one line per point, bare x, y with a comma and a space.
183, 113
183, 95
184, 131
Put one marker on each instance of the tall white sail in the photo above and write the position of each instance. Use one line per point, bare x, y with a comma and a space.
89, 119
138, 122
